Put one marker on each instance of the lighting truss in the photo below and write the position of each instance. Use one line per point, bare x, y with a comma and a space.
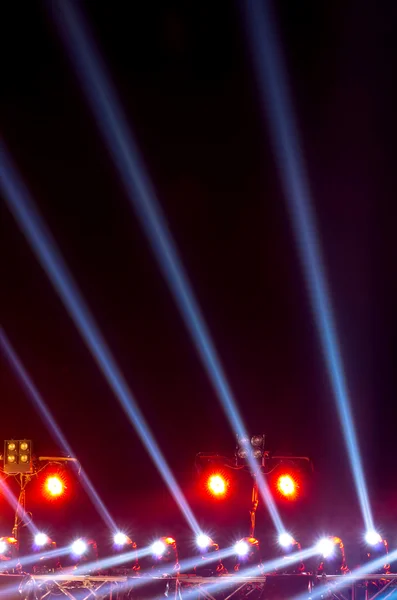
225, 587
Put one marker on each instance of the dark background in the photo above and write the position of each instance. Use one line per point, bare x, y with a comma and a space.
185, 77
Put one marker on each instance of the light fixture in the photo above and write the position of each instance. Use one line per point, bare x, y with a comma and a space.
43, 546
376, 548
217, 485
123, 546
54, 486
253, 447
332, 556
373, 538
18, 456
247, 553
41, 539
165, 555
289, 547
83, 551
287, 486
285, 540
8, 552
209, 563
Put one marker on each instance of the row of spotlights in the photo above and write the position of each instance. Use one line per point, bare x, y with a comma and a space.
325, 546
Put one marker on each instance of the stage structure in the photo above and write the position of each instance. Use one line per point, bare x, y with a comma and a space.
20, 464
253, 447
190, 587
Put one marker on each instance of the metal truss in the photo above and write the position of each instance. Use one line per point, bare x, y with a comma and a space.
223, 587
74, 587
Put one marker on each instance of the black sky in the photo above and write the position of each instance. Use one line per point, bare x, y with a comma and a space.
186, 81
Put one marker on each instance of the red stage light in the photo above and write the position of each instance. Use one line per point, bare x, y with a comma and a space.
54, 486
217, 485
287, 486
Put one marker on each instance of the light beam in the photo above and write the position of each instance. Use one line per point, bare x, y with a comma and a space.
118, 137
278, 108
38, 402
22, 207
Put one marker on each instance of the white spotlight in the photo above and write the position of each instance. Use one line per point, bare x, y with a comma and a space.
241, 548
285, 539
373, 537
203, 541
158, 548
79, 547
3, 547
326, 547
41, 539
120, 539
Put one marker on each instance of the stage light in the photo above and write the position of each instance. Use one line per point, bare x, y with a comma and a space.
372, 538
8, 553
326, 547
122, 544
79, 547
210, 562
287, 486
84, 551
158, 548
203, 541
241, 548
217, 485
120, 539
41, 539
46, 561
247, 553
289, 547
165, 555
18, 457
250, 448
54, 486
285, 540
332, 552
376, 548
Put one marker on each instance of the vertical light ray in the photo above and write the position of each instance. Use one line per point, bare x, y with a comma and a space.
277, 107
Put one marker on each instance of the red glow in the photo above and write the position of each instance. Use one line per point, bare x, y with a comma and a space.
287, 486
54, 486
217, 485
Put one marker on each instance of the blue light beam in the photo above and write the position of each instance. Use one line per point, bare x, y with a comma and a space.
12, 500
277, 106
56, 432
21, 205
118, 137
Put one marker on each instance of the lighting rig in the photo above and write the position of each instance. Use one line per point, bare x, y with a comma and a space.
20, 464
282, 472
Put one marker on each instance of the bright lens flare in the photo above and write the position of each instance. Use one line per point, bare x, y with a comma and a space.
285, 540
287, 486
79, 547
217, 485
120, 539
326, 547
3, 547
203, 541
54, 486
241, 548
158, 548
41, 539
372, 538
